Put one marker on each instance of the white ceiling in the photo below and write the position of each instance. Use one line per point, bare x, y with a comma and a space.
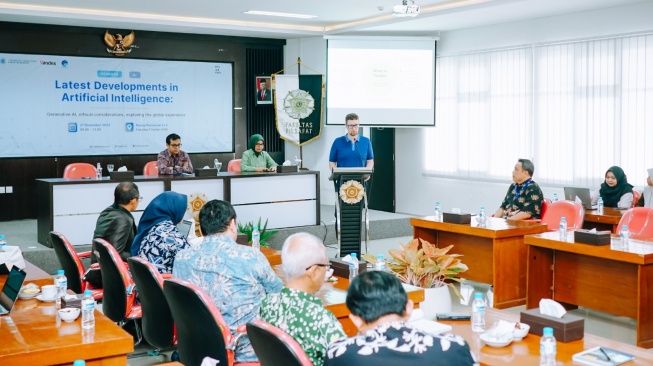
341, 17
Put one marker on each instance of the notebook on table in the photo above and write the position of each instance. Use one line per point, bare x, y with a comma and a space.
10, 291
583, 195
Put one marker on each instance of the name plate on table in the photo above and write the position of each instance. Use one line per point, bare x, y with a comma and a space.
593, 238
210, 172
125, 175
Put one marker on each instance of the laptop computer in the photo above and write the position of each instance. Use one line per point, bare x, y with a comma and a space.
582, 193
10, 291
184, 227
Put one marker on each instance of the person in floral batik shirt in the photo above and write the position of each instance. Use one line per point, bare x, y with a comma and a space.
524, 198
379, 309
295, 310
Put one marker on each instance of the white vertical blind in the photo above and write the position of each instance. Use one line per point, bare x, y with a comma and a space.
574, 108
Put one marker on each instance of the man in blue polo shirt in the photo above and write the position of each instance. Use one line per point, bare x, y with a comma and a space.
351, 150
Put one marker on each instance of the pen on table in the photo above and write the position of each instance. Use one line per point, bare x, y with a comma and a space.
605, 354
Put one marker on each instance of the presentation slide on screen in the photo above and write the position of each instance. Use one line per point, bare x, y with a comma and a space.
387, 82
63, 105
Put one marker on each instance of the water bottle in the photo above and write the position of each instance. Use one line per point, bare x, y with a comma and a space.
482, 217
61, 283
88, 310
256, 239
380, 263
3, 242
563, 228
353, 267
547, 348
438, 211
98, 171
600, 205
625, 236
555, 197
478, 313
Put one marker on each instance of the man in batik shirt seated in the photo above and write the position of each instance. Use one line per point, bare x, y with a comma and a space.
295, 310
524, 198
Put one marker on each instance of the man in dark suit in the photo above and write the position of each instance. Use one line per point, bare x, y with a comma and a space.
263, 94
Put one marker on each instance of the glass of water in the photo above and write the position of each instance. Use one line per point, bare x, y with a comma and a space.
217, 164
297, 161
109, 168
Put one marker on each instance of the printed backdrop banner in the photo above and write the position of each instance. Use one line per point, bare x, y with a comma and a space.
298, 107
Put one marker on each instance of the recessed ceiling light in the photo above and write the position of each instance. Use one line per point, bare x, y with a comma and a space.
273, 14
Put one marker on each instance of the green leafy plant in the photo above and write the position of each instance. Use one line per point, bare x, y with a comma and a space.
420, 263
263, 231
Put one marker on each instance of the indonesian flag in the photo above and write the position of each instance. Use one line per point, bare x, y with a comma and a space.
298, 107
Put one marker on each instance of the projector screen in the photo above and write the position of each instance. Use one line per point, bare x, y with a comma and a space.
66, 106
386, 81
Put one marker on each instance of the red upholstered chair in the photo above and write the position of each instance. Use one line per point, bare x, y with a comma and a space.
71, 263
79, 170
571, 210
545, 206
158, 325
274, 347
150, 168
234, 166
201, 329
636, 196
118, 286
639, 221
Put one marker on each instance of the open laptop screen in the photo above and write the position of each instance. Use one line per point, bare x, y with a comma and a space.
10, 291
582, 193
184, 227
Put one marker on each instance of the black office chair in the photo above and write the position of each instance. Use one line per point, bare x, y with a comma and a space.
201, 329
118, 286
274, 347
158, 325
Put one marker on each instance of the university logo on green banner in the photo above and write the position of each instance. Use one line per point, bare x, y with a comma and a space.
298, 107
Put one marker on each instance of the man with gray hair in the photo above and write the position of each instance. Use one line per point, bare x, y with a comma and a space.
296, 310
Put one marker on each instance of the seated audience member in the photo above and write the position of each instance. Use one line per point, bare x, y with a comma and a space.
295, 309
255, 159
646, 200
615, 190
236, 277
380, 309
116, 225
524, 198
173, 160
158, 240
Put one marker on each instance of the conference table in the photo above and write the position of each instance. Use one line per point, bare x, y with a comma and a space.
609, 220
495, 254
606, 278
527, 351
33, 334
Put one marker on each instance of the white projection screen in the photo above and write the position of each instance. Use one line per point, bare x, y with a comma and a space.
79, 106
387, 81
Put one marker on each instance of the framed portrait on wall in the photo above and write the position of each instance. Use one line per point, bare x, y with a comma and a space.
263, 90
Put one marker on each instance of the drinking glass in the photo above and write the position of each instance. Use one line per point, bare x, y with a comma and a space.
109, 168
297, 161
217, 165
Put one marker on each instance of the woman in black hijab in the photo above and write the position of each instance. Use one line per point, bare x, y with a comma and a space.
615, 190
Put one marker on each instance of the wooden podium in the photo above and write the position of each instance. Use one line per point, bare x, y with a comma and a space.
351, 209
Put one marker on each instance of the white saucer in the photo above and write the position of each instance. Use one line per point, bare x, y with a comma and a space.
41, 298
28, 296
493, 342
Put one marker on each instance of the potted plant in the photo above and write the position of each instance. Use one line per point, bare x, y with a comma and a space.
420, 263
263, 231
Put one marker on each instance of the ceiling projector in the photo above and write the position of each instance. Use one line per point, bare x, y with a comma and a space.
406, 9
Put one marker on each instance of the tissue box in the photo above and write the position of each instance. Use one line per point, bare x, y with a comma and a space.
72, 303
126, 175
593, 238
211, 172
456, 218
566, 329
242, 239
341, 268
288, 169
